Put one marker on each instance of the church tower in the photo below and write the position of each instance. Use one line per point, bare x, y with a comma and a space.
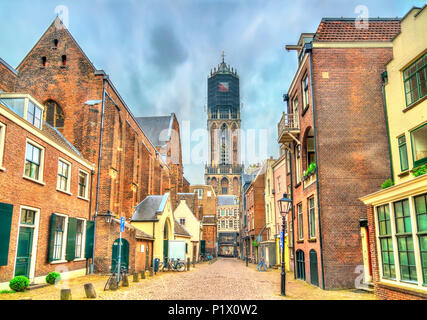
224, 169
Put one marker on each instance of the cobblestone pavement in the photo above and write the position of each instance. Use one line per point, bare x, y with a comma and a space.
225, 279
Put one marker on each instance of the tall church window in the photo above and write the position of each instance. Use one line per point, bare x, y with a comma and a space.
224, 186
224, 136
54, 115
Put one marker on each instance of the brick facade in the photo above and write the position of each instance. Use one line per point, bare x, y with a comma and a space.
42, 197
131, 167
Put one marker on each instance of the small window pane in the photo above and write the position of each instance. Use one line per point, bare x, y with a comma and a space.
27, 216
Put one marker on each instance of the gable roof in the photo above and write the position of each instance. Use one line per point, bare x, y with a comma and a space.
9, 67
180, 230
157, 129
148, 209
347, 30
190, 200
55, 23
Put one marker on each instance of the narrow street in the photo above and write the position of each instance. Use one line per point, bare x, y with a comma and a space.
225, 279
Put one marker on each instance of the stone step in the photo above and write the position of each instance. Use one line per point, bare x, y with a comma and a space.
33, 286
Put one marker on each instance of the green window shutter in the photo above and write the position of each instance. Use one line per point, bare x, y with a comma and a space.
6, 211
51, 237
70, 254
89, 239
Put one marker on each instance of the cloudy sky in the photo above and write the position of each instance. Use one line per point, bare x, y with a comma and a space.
159, 53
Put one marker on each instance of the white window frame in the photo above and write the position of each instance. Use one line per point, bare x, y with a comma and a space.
64, 240
35, 238
67, 191
414, 227
86, 196
42, 156
83, 246
2, 139
300, 216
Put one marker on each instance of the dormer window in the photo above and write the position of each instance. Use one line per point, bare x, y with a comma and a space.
24, 106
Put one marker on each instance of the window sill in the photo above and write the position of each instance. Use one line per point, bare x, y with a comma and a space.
414, 104
312, 240
300, 241
34, 180
297, 185
403, 174
66, 192
2, 169
79, 259
58, 261
85, 199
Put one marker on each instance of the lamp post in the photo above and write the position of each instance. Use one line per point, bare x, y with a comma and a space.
247, 245
285, 205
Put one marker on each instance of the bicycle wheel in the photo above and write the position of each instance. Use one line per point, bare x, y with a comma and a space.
180, 266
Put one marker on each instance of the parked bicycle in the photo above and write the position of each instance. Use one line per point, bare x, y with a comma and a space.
171, 264
113, 276
261, 266
205, 257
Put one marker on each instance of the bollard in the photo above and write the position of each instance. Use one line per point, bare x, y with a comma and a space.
135, 277
151, 271
188, 264
90, 290
66, 294
125, 281
143, 274
194, 263
113, 285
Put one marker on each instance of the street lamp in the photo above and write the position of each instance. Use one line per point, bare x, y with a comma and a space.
285, 205
108, 217
247, 249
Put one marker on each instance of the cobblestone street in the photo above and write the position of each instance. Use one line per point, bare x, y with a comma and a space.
225, 279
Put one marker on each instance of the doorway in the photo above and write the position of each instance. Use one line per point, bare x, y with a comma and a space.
27, 243
124, 259
314, 273
300, 264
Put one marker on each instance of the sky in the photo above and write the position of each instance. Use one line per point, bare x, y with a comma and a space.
159, 54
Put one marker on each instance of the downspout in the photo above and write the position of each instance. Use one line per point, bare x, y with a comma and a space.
90, 215
309, 49
384, 77
101, 131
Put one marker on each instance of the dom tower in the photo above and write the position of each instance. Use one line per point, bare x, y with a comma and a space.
224, 169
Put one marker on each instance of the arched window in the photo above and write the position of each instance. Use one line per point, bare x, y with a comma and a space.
224, 144
236, 186
213, 182
224, 186
54, 115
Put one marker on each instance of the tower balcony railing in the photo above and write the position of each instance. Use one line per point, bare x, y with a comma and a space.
224, 169
288, 128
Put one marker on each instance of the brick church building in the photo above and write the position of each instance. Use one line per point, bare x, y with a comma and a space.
82, 103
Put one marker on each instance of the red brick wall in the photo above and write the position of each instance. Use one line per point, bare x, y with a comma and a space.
301, 195
209, 233
140, 257
350, 121
18, 191
7, 79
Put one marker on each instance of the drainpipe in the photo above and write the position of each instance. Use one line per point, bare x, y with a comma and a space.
384, 77
309, 49
98, 178
90, 214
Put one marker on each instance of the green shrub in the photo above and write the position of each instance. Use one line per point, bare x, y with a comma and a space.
7, 291
386, 184
420, 171
310, 169
19, 283
254, 243
53, 277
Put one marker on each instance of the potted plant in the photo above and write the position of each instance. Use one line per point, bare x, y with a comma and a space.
419, 171
311, 170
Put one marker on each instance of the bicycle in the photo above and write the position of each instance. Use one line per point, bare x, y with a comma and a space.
261, 266
173, 265
113, 276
